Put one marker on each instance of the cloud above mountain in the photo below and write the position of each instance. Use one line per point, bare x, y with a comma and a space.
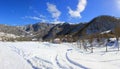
80, 8
52, 9
41, 18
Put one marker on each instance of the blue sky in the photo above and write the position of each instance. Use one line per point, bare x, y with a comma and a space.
22, 12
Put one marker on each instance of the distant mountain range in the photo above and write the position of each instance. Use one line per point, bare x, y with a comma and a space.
47, 31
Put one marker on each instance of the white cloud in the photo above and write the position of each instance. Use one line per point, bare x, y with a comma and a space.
80, 8
118, 4
58, 22
33, 17
40, 18
54, 11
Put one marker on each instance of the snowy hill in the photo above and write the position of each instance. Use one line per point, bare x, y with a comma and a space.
45, 55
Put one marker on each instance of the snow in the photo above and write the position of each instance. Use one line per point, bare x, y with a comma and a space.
11, 60
106, 32
2, 34
45, 55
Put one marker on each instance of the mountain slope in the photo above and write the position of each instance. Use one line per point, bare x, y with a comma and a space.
98, 25
11, 30
61, 30
38, 29
49, 31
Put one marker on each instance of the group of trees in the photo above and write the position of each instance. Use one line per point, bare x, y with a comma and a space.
98, 36
117, 34
15, 39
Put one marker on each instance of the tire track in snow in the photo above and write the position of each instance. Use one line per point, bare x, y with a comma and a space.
46, 61
18, 51
21, 53
75, 63
39, 63
64, 62
35, 62
59, 64
34, 67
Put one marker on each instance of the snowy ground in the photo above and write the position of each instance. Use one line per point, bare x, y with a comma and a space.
44, 55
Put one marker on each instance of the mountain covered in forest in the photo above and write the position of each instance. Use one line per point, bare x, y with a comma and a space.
47, 31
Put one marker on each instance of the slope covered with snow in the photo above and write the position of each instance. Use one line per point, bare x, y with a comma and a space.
45, 55
10, 60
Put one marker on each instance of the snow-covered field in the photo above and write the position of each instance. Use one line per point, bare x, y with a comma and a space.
45, 55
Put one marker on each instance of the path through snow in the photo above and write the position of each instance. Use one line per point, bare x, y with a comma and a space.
44, 55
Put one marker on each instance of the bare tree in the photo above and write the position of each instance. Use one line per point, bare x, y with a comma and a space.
84, 44
117, 34
91, 38
106, 36
79, 43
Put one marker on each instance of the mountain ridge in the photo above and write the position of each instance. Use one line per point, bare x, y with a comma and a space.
48, 31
